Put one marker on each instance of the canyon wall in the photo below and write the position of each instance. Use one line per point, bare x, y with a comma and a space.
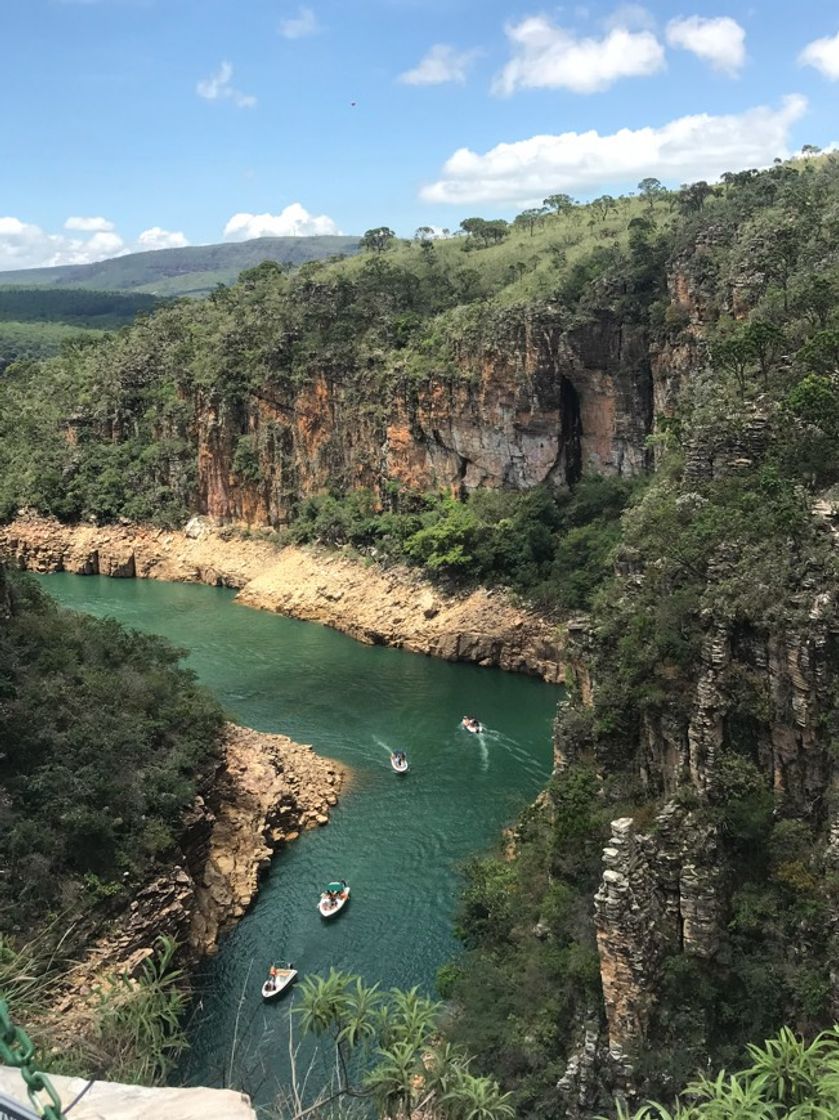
549, 406
671, 871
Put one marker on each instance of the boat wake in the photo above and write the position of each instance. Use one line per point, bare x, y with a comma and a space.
511, 746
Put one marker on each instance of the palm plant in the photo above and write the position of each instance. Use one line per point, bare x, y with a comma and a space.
324, 1003
788, 1080
393, 1079
476, 1098
788, 1069
414, 1017
360, 1020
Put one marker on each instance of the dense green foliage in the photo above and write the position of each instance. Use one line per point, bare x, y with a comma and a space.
552, 546
37, 340
530, 966
104, 738
74, 306
787, 1080
37, 322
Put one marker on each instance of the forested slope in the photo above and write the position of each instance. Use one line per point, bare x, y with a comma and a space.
105, 738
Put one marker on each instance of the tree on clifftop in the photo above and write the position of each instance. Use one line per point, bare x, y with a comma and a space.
488, 232
558, 202
378, 239
651, 189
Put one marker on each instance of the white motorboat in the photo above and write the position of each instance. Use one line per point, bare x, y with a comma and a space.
399, 762
471, 724
334, 899
279, 980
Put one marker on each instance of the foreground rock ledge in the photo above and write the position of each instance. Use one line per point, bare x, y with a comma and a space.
107, 1100
393, 606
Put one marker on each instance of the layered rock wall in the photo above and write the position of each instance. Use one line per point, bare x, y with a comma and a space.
547, 406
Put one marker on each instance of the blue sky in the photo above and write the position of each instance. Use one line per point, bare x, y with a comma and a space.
154, 122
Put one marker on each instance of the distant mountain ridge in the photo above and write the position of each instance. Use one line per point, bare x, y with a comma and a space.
193, 271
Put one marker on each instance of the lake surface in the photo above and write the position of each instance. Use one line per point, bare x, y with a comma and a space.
399, 840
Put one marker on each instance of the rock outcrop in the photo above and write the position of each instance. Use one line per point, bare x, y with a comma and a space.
267, 790
387, 606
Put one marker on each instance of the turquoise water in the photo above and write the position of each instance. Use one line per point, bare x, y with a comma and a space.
398, 839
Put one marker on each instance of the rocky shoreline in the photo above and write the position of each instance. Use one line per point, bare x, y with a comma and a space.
266, 791
392, 606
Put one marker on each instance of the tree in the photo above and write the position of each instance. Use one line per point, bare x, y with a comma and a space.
603, 205
487, 232
765, 343
530, 218
734, 356
692, 196
378, 239
757, 344
424, 233
651, 189
559, 203
821, 353
814, 297
769, 251
815, 401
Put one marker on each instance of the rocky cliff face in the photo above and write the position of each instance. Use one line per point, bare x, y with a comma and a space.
267, 790
549, 406
669, 879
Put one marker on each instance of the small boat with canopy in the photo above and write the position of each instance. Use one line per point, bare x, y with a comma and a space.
334, 899
279, 979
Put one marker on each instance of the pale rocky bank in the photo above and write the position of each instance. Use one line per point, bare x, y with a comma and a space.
266, 791
391, 606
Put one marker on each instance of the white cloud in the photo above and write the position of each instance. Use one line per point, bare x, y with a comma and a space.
294, 221
218, 88
694, 147
89, 225
299, 26
157, 238
720, 41
26, 245
823, 54
549, 57
441, 64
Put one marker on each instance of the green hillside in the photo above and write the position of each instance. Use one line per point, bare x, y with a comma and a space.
194, 271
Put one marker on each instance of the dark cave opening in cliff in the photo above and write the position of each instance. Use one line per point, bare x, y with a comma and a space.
571, 431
